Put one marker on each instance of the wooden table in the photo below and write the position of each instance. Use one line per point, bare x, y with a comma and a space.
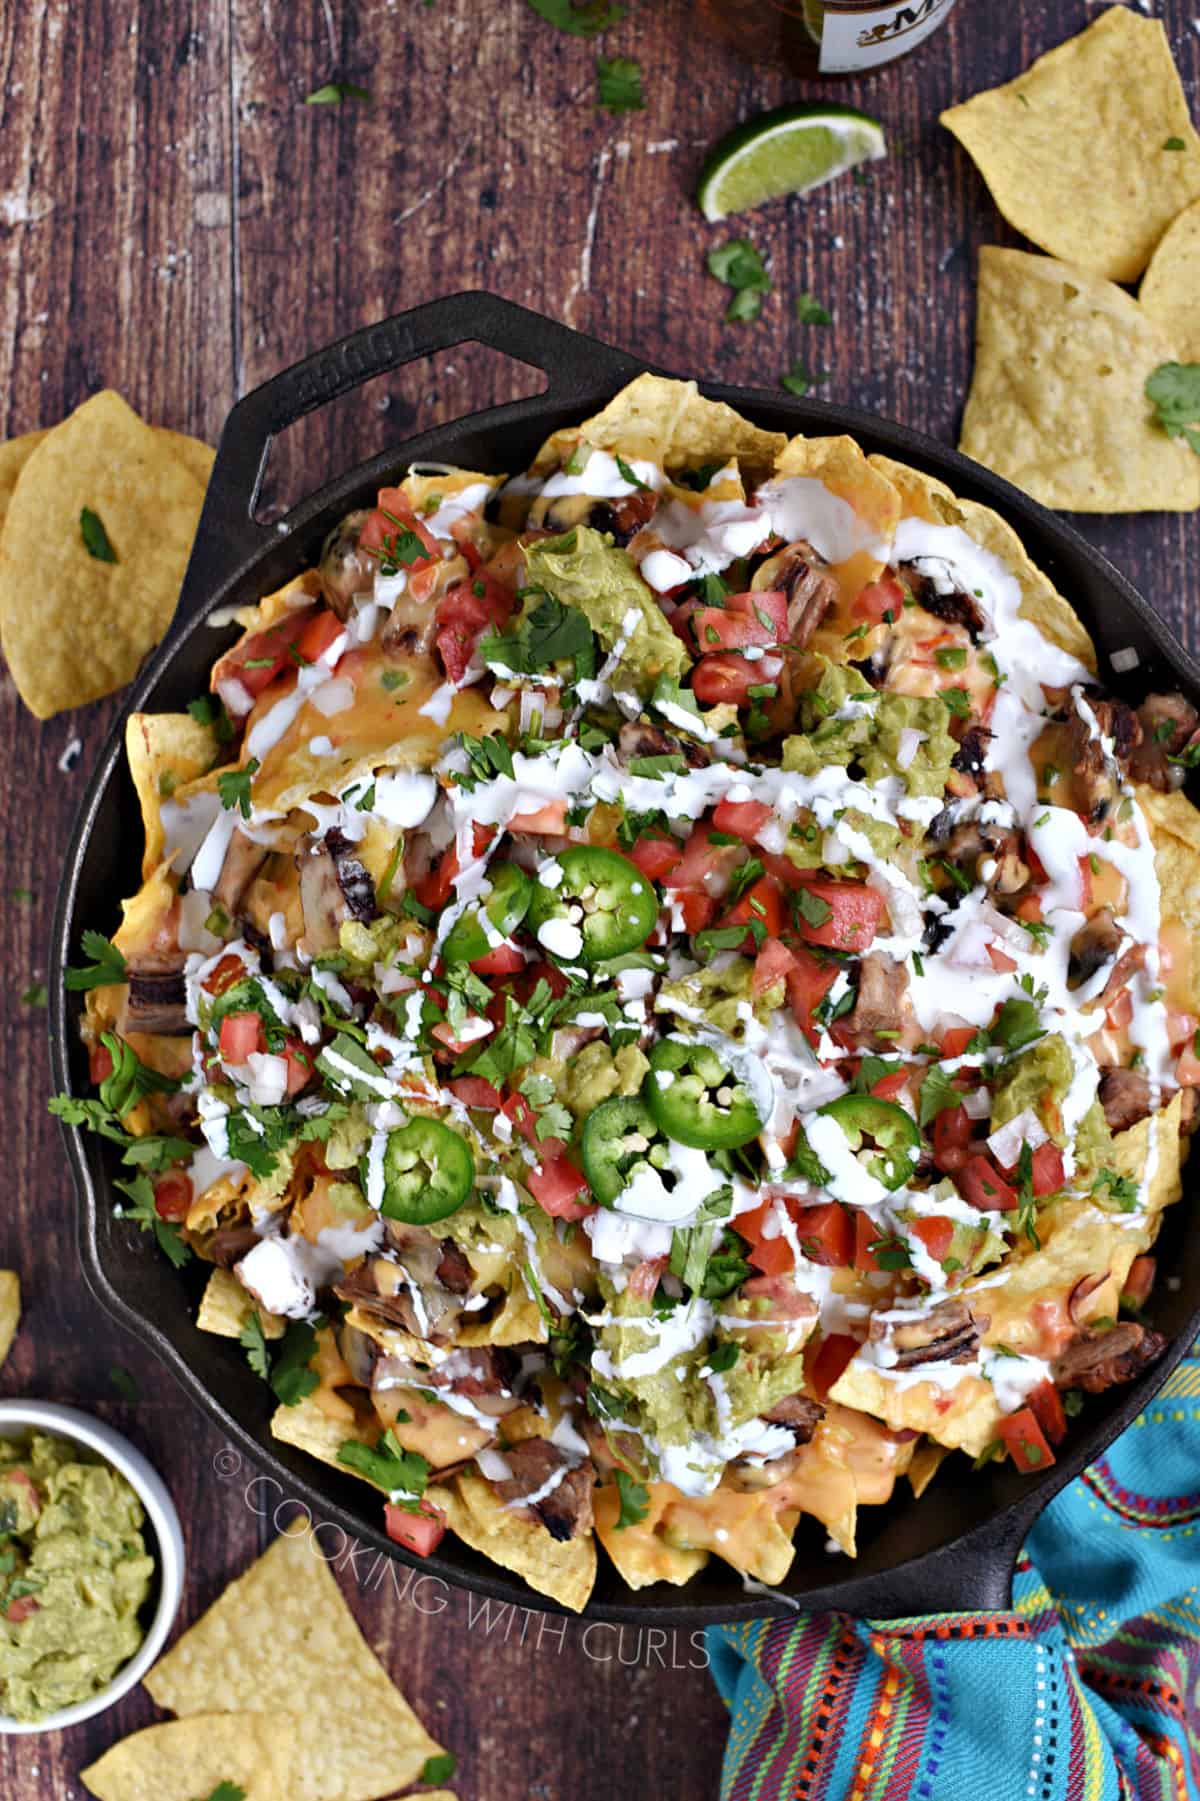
176, 223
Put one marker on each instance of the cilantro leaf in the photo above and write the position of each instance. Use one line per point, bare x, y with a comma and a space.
722, 1357
233, 786
143, 1211
291, 1378
334, 92
1017, 1025
809, 311
107, 965
635, 1501
619, 90
549, 634
580, 18
938, 1094
227, 1791
35, 995
738, 264
124, 1384
1121, 1191
401, 1474
439, 1769
800, 378
812, 909
253, 1341
209, 709
1174, 391
95, 538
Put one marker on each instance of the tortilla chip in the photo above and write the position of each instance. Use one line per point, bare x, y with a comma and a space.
196, 456
563, 1569
839, 465
225, 1307
1077, 151
182, 1760
639, 1551
671, 424
13, 457
72, 626
1170, 285
923, 496
165, 750
10, 1309
307, 1427
1174, 825
927, 1460
1057, 402
283, 1634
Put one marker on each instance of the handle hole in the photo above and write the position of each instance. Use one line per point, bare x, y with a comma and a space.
386, 410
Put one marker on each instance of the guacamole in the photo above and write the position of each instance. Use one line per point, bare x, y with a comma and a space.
74, 1574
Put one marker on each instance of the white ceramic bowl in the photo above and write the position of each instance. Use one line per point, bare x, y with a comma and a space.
164, 1541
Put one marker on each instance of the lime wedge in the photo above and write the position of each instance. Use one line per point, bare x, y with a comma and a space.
786, 152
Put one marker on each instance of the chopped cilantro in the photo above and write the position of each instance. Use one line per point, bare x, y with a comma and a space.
550, 634
938, 1094
95, 538
809, 311
739, 265
233, 786
34, 995
291, 1378
107, 965
253, 1341
619, 90
440, 1768
1174, 392
580, 18
800, 378
635, 1501
142, 1210
334, 92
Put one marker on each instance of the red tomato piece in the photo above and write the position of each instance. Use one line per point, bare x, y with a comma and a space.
550, 818
717, 629
473, 1091
393, 514
1048, 1172
874, 602
763, 903
951, 1138
955, 1040
825, 1233
774, 963
419, 1532
697, 910
100, 1064
866, 1233
854, 915
936, 1235
299, 1063
21, 1608
173, 1195
435, 887
980, 1183
704, 866
1025, 1440
1000, 960
323, 629
888, 1087
728, 677
644, 1278
1045, 1404
656, 857
771, 1255
557, 1185
786, 1301
760, 604
807, 985
502, 960
743, 818
464, 613
831, 1359
223, 975
257, 661
445, 1035
240, 1034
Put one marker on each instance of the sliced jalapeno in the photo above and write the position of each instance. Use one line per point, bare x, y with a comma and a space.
893, 1131
697, 1099
618, 1136
599, 906
505, 907
428, 1172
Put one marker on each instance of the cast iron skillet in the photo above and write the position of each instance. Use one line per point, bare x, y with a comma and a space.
953, 1550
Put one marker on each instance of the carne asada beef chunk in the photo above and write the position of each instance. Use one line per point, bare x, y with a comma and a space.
949, 1333
1098, 1360
879, 1004
454, 1271
334, 887
411, 628
799, 1414
1098, 776
1125, 1096
953, 605
229, 1244
361, 1289
622, 517
811, 590
1168, 724
971, 755
1094, 945
344, 569
157, 999
634, 740
566, 1512
243, 860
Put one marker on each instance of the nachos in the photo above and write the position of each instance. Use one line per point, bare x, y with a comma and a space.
664, 988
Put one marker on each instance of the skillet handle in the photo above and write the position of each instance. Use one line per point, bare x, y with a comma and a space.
973, 1574
228, 535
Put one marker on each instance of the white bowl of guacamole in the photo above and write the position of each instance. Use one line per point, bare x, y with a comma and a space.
91, 1566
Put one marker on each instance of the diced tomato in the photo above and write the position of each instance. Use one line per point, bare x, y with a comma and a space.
825, 1233
240, 1034
680, 623
786, 1301
981, 1184
656, 857
771, 603
299, 1060
763, 902
955, 1040
866, 1233
644, 1278
831, 1359
697, 910
1139, 1281
878, 598
1000, 960
752, 628
807, 985
557, 1185
743, 818
257, 661
502, 960
951, 1138
773, 964
223, 975
1187, 1069
391, 515
771, 1255
419, 1532
704, 865
854, 914
1045, 1404
1030, 909
323, 629
444, 1034
100, 1064
727, 677
550, 818
436, 886
888, 1087
473, 1091
173, 1195
1048, 1173
465, 611
526, 980
21, 1608
1025, 1440
936, 1235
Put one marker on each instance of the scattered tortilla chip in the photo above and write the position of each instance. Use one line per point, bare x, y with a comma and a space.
13, 457
1171, 283
225, 1307
165, 751
74, 626
10, 1309
1077, 152
924, 497
196, 456
283, 1634
1057, 402
669, 423
565, 1570
183, 1760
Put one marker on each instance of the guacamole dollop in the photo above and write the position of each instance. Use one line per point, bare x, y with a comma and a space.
74, 1575
583, 569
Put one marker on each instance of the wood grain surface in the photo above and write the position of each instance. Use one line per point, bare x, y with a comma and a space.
176, 223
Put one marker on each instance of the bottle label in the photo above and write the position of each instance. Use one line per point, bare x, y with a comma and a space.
853, 40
